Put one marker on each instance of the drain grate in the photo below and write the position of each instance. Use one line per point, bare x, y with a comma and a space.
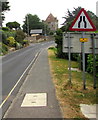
35, 100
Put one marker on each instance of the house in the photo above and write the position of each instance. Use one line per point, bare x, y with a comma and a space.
52, 22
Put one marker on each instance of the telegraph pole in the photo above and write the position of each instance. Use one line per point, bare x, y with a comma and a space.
27, 27
94, 60
69, 55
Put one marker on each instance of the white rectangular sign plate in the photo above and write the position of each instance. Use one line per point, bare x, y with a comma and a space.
76, 44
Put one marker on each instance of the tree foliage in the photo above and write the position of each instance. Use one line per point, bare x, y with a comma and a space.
58, 41
32, 22
14, 25
5, 7
94, 18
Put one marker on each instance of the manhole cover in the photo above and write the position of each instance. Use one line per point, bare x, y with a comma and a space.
35, 100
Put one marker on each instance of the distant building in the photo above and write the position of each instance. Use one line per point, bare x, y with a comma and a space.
52, 22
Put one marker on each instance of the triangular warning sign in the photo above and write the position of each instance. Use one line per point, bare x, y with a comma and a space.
82, 22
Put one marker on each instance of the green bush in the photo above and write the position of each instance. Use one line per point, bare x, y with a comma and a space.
7, 34
10, 33
11, 41
4, 37
51, 33
20, 35
97, 66
3, 49
18, 46
25, 42
5, 29
90, 64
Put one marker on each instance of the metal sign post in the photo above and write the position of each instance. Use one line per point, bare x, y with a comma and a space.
83, 62
69, 55
67, 38
94, 61
88, 44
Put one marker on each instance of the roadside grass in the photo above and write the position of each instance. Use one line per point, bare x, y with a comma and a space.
70, 96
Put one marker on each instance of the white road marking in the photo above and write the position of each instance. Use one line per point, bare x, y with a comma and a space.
18, 81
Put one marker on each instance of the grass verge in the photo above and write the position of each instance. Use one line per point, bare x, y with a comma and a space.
70, 96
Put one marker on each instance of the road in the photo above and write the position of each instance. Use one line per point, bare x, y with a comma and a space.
14, 65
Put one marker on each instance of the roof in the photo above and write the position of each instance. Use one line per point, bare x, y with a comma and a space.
51, 18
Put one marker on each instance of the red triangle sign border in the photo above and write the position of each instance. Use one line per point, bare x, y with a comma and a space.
82, 29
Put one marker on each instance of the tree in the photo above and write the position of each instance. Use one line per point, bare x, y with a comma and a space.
12, 25
69, 17
32, 22
94, 18
16, 25
5, 7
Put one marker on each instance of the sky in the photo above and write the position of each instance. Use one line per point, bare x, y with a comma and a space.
42, 8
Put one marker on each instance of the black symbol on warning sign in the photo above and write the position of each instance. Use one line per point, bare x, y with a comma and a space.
82, 18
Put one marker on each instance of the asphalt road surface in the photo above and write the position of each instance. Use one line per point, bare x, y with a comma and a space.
36, 98
14, 66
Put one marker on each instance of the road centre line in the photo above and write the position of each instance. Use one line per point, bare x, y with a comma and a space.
15, 56
33, 61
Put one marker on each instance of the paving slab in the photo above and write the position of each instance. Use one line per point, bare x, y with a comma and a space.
90, 111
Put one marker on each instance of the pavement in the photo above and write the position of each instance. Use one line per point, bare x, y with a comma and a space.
36, 97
